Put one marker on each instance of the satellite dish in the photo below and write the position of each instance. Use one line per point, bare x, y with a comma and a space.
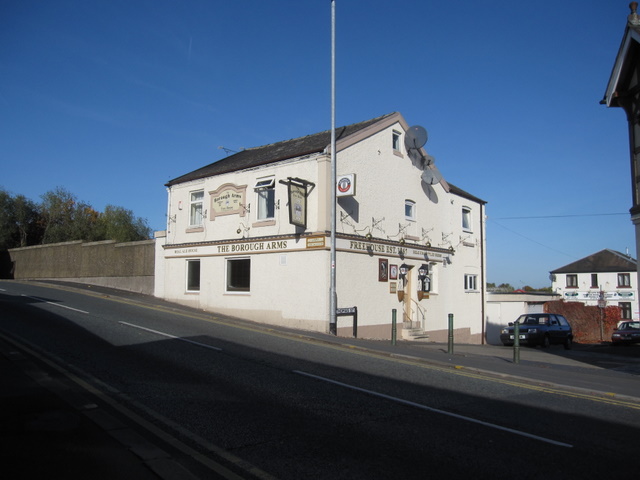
415, 138
431, 175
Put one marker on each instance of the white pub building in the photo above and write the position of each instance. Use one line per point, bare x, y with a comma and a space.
250, 236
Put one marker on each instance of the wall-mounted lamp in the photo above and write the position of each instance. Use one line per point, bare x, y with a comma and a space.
425, 281
402, 241
403, 271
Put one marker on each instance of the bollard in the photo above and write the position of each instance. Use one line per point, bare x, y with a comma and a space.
450, 349
516, 342
393, 326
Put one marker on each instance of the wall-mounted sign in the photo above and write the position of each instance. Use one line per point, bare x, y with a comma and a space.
228, 199
383, 269
346, 186
298, 205
315, 242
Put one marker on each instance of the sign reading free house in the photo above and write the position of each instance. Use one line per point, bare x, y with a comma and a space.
228, 199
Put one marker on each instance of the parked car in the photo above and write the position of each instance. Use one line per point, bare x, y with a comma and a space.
627, 332
542, 329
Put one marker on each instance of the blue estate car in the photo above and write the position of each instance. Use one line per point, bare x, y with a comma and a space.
542, 329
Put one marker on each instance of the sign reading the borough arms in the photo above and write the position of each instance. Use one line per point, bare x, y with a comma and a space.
228, 199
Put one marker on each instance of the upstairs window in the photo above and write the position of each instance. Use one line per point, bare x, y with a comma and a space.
266, 191
594, 280
195, 208
624, 280
572, 281
395, 141
466, 219
410, 210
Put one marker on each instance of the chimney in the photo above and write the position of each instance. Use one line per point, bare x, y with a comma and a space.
633, 20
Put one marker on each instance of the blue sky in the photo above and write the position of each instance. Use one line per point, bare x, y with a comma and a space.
111, 99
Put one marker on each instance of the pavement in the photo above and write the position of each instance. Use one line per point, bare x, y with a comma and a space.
49, 424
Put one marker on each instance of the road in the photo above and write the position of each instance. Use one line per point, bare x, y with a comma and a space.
226, 395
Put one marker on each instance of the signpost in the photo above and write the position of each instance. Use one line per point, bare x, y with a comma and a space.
343, 312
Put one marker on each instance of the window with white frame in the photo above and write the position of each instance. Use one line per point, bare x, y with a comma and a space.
470, 282
410, 210
624, 280
195, 208
466, 219
193, 275
395, 142
238, 275
266, 193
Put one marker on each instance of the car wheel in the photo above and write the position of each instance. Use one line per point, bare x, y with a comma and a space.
546, 342
567, 344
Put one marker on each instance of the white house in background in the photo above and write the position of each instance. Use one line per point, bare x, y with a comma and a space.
249, 236
606, 276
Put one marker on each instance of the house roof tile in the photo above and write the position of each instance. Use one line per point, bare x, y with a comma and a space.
603, 261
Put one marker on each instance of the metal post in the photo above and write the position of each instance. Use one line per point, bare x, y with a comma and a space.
333, 296
516, 342
450, 349
393, 326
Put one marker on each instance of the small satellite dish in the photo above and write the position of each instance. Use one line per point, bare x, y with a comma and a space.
431, 175
415, 138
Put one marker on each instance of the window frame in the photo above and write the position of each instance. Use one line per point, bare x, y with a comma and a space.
466, 215
571, 284
395, 141
266, 204
594, 280
626, 280
412, 205
193, 204
625, 310
470, 282
230, 276
190, 286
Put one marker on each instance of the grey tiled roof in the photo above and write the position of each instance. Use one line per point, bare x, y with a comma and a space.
603, 261
253, 157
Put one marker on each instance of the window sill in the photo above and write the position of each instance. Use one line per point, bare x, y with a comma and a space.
263, 223
194, 229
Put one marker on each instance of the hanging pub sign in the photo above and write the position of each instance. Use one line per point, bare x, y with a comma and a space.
298, 205
297, 190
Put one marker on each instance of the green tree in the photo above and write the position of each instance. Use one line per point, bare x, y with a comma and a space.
27, 221
120, 224
8, 229
56, 212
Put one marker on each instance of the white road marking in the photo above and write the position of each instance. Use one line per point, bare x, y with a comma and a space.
55, 303
435, 410
171, 336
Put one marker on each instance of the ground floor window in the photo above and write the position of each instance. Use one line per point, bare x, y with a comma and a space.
193, 275
625, 310
238, 274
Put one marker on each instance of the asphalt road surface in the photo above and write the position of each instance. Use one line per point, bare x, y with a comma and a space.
226, 395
